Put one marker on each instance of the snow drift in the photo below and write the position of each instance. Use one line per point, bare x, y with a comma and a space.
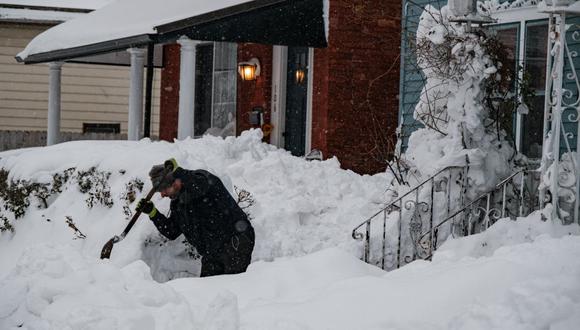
517, 275
300, 206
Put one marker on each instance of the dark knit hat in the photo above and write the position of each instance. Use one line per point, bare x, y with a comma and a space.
161, 177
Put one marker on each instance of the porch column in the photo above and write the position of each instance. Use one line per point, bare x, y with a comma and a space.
53, 127
186, 88
136, 94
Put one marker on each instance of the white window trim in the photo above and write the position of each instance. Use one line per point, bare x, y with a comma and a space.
213, 81
520, 16
279, 70
278, 115
309, 94
515, 15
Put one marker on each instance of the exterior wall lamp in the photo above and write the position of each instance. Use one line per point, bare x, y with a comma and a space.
249, 70
300, 75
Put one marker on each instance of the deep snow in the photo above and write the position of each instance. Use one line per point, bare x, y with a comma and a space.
305, 272
300, 207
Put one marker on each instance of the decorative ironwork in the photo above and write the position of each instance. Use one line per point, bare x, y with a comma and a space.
424, 211
488, 7
493, 205
414, 211
560, 167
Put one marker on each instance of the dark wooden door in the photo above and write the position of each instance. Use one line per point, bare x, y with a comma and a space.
296, 100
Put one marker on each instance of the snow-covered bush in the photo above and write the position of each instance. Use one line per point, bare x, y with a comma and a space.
458, 67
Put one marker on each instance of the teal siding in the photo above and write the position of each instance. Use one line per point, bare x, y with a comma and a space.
412, 79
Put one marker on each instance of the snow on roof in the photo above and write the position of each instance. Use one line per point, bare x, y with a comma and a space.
120, 19
31, 15
77, 4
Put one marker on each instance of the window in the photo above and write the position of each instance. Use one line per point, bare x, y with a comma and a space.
526, 44
101, 128
508, 36
215, 89
536, 40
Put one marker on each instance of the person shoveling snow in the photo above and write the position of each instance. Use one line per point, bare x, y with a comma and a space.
203, 211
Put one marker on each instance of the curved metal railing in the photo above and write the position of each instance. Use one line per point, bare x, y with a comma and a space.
418, 212
477, 215
417, 205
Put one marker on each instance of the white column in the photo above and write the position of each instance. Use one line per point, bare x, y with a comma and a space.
186, 88
53, 128
135, 123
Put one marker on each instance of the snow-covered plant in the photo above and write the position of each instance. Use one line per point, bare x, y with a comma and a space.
458, 66
130, 195
95, 184
71, 224
16, 196
59, 180
245, 199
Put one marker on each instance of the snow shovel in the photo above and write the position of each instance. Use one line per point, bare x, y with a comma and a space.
106, 252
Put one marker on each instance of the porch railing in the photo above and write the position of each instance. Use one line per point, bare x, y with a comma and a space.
428, 198
515, 196
415, 223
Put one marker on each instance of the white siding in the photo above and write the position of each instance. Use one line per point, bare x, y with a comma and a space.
90, 93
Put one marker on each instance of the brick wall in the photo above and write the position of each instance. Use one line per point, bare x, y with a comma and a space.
355, 106
169, 104
356, 85
255, 93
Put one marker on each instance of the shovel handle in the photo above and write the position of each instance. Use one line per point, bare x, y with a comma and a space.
106, 251
137, 214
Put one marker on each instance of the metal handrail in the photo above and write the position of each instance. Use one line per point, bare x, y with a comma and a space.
487, 195
479, 198
408, 205
359, 236
420, 207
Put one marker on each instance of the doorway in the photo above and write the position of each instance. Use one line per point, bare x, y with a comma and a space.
292, 98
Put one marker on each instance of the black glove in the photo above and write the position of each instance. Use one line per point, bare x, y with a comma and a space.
146, 207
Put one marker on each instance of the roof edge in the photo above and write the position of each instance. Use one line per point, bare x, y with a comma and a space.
87, 50
45, 8
215, 15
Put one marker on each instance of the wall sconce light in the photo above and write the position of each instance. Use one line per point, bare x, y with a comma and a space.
249, 70
300, 75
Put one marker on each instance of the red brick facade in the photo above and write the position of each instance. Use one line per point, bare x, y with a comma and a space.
355, 85
169, 104
257, 93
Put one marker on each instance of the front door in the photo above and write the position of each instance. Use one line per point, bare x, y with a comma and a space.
296, 100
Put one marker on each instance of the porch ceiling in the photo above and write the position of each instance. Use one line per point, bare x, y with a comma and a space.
280, 22
274, 22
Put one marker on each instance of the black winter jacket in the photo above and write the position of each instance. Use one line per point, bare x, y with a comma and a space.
204, 212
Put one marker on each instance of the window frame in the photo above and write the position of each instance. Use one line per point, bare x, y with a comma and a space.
520, 17
213, 83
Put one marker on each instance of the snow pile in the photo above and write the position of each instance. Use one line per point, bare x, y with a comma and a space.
57, 288
503, 233
528, 280
300, 206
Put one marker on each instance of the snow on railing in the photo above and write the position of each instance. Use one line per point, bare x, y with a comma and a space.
414, 224
430, 199
515, 196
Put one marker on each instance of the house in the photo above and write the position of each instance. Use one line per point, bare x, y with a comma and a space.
328, 70
94, 97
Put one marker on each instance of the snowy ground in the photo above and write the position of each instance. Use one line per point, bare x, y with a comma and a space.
305, 275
